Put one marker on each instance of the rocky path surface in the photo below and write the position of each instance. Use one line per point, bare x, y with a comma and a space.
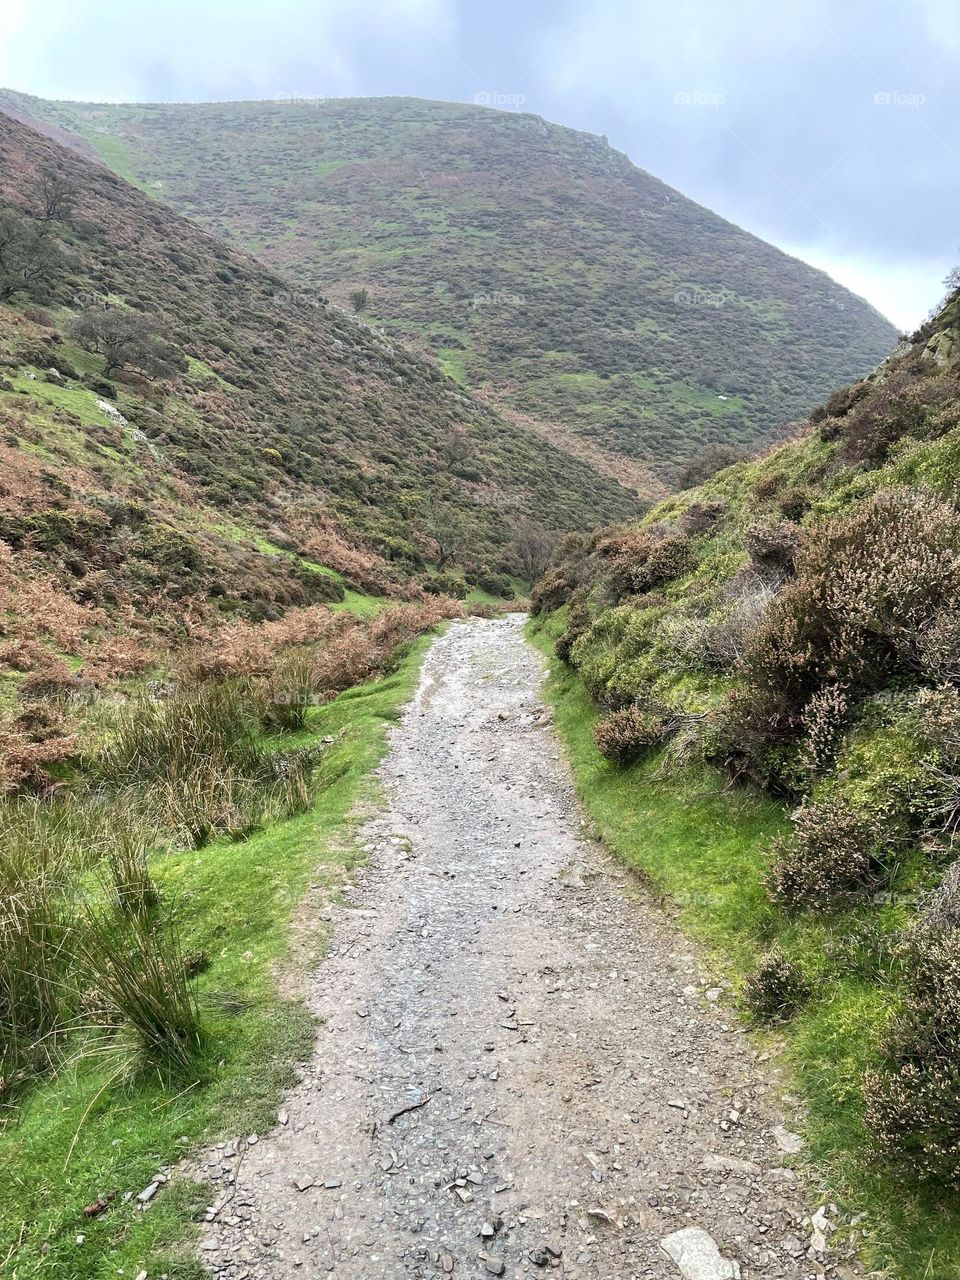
519, 1071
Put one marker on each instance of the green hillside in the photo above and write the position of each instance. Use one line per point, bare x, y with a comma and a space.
770, 668
534, 262
231, 449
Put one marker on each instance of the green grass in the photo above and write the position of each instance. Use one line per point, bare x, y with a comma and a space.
702, 847
81, 1136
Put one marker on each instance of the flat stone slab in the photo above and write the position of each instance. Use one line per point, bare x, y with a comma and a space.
698, 1256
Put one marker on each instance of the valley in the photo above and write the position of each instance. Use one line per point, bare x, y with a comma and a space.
479, 715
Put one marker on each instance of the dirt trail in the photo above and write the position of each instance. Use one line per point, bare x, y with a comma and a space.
516, 1043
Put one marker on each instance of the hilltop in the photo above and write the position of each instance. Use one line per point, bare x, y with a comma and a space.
233, 449
536, 263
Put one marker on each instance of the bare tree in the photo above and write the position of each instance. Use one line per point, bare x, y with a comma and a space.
125, 339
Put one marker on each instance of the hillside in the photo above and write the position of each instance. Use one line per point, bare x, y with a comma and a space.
770, 664
247, 450
536, 263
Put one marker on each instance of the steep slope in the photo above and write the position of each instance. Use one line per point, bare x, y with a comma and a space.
788, 632
247, 441
538, 263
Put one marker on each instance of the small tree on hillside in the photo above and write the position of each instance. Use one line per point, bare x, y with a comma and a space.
448, 530
56, 196
457, 447
29, 257
126, 340
359, 301
533, 545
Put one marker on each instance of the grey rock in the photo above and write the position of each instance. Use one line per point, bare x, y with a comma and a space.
697, 1256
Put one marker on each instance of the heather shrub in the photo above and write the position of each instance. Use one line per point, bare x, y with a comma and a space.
666, 558
902, 405
578, 621
834, 852
700, 517
938, 645
868, 588
913, 1096
824, 721
753, 735
776, 989
767, 484
773, 548
624, 736
793, 502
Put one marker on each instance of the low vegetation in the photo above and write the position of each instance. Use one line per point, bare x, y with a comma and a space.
776, 649
135, 880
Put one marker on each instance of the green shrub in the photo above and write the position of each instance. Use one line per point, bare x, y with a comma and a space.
446, 584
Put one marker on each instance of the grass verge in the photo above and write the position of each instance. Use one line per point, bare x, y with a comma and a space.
88, 1132
703, 848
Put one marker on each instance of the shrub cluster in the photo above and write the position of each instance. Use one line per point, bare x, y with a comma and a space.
833, 853
776, 989
913, 1096
624, 736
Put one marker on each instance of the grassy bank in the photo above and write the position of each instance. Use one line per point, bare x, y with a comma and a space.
87, 1132
702, 846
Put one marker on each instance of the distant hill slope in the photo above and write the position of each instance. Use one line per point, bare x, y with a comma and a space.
275, 440
535, 261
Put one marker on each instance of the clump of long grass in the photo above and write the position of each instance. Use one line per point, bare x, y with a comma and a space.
171, 737
35, 987
134, 963
201, 754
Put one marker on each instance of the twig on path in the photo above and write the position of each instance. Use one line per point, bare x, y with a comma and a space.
411, 1106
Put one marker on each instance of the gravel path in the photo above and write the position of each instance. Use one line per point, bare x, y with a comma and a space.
520, 1071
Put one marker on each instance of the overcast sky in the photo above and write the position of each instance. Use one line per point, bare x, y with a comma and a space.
825, 126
